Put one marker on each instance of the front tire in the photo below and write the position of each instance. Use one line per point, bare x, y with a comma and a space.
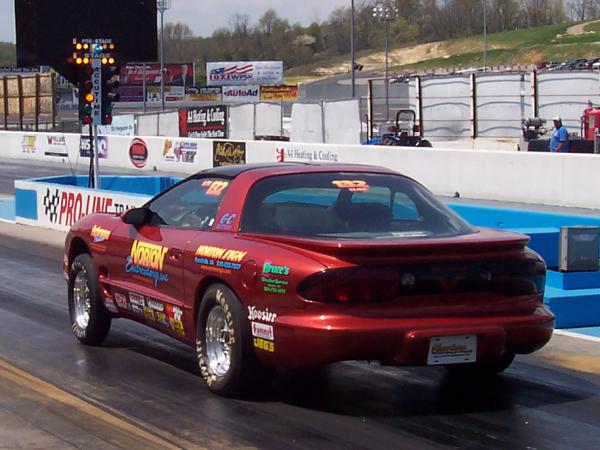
226, 360
90, 320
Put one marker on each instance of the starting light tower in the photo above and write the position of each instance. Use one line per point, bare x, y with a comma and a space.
98, 76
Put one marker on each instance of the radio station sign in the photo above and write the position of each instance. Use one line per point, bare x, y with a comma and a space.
286, 92
240, 73
203, 122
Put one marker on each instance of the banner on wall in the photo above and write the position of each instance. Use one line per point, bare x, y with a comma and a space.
288, 92
203, 122
295, 153
203, 94
244, 73
59, 207
179, 150
56, 145
85, 147
172, 94
226, 153
241, 94
175, 74
29, 144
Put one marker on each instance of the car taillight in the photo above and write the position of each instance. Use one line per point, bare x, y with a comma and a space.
351, 285
519, 277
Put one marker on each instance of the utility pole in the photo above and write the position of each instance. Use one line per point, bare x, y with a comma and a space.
352, 53
384, 12
162, 5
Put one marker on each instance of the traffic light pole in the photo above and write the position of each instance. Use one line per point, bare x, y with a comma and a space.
96, 115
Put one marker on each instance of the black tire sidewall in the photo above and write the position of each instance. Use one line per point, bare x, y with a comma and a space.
99, 322
233, 381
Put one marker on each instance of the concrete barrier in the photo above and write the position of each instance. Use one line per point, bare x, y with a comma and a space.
542, 178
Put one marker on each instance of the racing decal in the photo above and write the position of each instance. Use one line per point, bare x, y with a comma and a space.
260, 330
218, 259
226, 221
214, 188
98, 236
110, 305
138, 153
352, 185
120, 300
149, 313
147, 260
175, 317
274, 284
161, 318
259, 314
263, 344
137, 303
155, 305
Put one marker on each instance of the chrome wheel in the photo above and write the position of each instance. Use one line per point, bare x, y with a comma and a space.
81, 300
218, 335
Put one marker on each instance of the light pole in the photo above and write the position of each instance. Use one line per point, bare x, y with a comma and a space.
352, 54
386, 13
162, 5
485, 35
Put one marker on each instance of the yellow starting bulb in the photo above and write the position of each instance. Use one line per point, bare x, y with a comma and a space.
79, 46
86, 46
111, 60
89, 97
111, 46
79, 60
86, 60
104, 60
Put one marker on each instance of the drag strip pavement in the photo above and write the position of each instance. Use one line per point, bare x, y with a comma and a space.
143, 381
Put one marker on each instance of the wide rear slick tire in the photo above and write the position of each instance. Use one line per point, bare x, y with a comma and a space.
90, 320
226, 359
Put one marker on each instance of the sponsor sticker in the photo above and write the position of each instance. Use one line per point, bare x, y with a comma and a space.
174, 315
226, 153
99, 234
28, 144
147, 260
214, 188
218, 259
155, 305
260, 330
226, 221
263, 344
161, 318
351, 185
149, 313
120, 300
137, 303
179, 151
56, 146
110, 305
272, 283
263, 315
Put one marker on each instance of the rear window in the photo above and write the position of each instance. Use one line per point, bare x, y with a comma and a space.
347, 205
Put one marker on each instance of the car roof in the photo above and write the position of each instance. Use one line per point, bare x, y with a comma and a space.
263, 169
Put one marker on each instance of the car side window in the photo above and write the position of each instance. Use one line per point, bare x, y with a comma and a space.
404, 208
191, 204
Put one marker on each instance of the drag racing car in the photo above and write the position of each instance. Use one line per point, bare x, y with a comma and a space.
300, 265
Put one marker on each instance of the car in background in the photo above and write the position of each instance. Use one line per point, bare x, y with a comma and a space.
301, 265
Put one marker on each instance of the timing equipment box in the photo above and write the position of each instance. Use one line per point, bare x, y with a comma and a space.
578, 249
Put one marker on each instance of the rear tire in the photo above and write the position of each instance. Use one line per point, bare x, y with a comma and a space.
226, 359
425, 143
483, 369
90, 320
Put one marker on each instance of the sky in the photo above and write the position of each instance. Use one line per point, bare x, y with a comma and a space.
205, 16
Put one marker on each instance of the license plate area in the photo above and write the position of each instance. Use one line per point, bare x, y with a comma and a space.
452, 349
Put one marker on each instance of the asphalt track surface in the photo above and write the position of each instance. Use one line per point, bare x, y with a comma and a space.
142, 389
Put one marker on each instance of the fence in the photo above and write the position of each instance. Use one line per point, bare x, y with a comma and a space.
485, 105
27, 101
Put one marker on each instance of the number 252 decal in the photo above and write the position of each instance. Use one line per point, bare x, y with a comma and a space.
351, 185
214, 188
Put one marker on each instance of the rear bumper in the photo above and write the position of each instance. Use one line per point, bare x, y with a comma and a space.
309, 340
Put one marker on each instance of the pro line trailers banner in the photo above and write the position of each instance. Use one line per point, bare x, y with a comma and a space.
241, 73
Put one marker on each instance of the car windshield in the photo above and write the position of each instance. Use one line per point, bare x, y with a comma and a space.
347, 206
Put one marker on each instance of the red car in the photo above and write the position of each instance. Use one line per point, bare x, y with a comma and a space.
299, 265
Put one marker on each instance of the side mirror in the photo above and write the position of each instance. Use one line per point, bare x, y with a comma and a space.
137, 217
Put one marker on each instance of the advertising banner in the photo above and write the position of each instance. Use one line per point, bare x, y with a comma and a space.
56, 145
84, 147
226, 153
179, 150
203, 122
172, 94
203, 94
287, 92
241, 94
239, 73
175, 74
131, 93
59, 207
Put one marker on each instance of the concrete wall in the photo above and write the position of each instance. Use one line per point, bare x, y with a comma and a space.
543, 178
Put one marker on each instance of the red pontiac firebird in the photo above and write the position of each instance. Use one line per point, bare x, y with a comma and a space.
300, 265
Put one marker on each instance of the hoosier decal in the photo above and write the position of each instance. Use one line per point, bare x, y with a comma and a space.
147, 260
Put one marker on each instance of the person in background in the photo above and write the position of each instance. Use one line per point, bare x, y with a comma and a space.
559, 143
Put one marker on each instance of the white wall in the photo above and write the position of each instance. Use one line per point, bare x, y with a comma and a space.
544, 178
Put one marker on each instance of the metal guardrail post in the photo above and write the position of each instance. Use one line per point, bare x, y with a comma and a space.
534, 94
419, 100
370, 109
474, 131
21, 106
